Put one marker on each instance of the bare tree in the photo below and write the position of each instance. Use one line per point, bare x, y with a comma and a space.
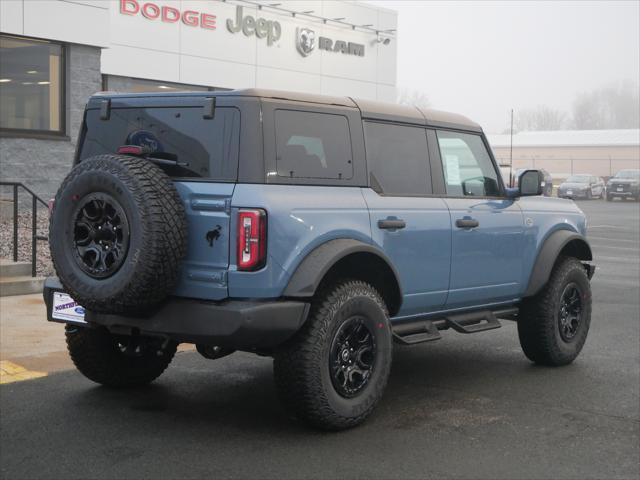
417, 98
614, 106
540, 118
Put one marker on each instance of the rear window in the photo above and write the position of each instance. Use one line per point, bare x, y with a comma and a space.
397, 158
201, 147
313, 145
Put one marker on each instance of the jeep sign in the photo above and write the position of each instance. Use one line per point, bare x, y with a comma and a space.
269, 29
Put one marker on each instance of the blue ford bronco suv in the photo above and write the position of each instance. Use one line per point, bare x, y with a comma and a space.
317, 230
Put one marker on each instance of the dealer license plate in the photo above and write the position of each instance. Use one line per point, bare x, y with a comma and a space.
620, 189
66, 308
569, 192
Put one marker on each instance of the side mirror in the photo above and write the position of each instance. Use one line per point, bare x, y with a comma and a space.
530, 183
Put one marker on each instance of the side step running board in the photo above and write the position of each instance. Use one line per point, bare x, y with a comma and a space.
418, 332
473, 322
426, 329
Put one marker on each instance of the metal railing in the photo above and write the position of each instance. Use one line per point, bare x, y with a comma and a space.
35, 199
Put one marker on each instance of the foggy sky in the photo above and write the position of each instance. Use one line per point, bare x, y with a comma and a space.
483, 58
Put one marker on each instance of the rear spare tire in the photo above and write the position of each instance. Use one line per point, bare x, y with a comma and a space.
117, 234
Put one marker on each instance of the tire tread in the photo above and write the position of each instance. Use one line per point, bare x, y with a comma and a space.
164, 228
296, 365
537, 322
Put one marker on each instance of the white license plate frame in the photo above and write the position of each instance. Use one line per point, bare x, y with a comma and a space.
66, 309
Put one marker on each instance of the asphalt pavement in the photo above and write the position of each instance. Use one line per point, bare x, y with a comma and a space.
463, 407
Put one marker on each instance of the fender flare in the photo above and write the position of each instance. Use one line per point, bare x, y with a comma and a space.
310, 272
548, 255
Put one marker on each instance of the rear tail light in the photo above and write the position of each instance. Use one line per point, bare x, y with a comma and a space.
50, 204
252, 239
130, 150
134, 150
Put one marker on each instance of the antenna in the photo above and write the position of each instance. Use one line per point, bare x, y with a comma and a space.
511, 153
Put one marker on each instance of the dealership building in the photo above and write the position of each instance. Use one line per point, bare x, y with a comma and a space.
54, 54
566, 152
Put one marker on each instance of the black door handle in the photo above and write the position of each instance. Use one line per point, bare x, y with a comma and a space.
391, 224
467, 223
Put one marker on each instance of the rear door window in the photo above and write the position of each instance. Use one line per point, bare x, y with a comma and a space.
397, 157
313, 145
199, 147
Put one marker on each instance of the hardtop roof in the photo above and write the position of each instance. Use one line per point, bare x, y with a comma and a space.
370, 109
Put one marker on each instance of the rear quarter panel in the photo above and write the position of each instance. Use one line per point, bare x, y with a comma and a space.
299, 220
542, 217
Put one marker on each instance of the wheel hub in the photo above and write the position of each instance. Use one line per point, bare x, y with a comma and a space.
570, 313
352, 357
100, 235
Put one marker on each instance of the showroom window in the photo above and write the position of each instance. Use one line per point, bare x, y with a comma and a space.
118, 84
31, 85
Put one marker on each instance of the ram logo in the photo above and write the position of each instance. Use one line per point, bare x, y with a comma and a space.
305, 41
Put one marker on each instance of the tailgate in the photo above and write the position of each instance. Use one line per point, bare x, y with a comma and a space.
204, 270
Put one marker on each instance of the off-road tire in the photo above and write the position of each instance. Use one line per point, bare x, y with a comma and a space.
156, 244
301, 367
96, 354
538, 323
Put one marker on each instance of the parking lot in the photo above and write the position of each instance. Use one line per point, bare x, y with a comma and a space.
463, 407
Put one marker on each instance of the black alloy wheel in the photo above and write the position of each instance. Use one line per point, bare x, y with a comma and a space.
101, 235
352, 357
570, 312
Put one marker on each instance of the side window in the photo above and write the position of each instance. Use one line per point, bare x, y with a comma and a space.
468, 169
397, 158
313, 145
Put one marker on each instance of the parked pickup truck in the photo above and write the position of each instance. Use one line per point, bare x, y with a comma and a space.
317, 230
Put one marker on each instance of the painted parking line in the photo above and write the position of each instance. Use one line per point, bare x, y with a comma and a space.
613, 239
614, 247
12, 372
617, 259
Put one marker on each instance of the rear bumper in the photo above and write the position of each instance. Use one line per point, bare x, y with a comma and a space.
573, 195
237, 324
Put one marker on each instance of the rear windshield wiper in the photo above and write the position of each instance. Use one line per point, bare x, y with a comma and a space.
163, 158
